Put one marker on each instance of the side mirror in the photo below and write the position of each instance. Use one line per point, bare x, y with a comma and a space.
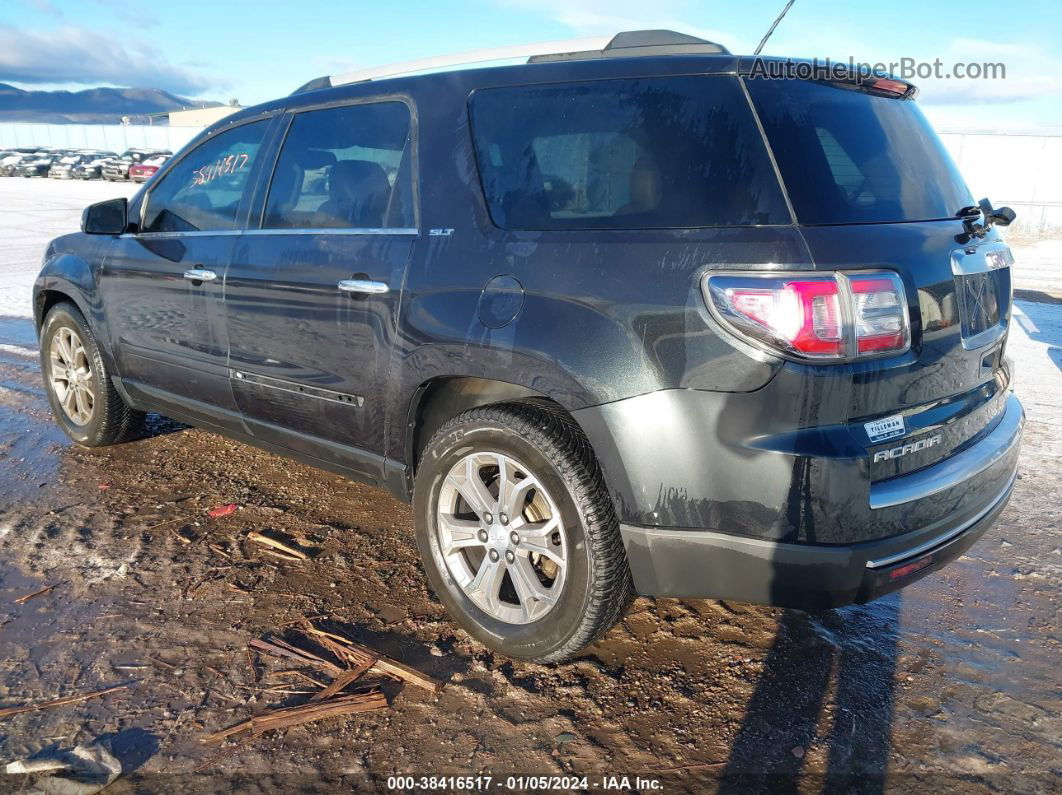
106, 218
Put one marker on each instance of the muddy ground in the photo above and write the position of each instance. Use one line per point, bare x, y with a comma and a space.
952, 684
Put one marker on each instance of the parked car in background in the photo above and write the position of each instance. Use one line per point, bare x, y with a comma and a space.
36, 165
117, 169
63, 167
142, 172
92, 168
646, 322
8, 156
62, 164
9, 165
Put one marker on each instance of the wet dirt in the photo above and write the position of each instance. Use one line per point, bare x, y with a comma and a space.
952, 683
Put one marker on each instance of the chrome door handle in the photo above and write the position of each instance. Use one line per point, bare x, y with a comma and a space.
200, 275
363, 287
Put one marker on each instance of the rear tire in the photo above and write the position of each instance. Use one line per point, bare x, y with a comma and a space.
84, 401
542, 606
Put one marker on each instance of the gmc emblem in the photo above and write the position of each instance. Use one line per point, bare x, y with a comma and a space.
912, 447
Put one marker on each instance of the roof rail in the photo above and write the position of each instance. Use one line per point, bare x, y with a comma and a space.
622, 45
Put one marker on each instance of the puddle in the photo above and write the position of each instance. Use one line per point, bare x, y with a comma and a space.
30, 451
18, 332
32, 627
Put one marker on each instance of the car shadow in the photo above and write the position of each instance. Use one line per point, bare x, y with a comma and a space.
834, 669
1042, 322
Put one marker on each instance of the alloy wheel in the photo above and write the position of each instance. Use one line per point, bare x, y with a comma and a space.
71, 376
502, 537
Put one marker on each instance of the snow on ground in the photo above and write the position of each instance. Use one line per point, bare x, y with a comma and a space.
32, 212
1038, 266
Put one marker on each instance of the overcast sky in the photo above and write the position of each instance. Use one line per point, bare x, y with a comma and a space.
258, 50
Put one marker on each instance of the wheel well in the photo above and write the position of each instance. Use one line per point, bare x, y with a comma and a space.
444, 398
46, 300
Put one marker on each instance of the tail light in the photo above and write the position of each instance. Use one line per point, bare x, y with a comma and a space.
815, 316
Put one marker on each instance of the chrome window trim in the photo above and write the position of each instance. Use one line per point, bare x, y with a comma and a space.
403, 231
958, 468
188, 233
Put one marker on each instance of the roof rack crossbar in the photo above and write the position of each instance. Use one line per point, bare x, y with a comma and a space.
641, 42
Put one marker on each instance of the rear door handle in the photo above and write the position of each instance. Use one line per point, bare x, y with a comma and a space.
363, 287
200, 275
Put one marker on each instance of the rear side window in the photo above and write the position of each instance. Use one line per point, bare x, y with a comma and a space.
624, 154
347, 167
850, 157
202, 192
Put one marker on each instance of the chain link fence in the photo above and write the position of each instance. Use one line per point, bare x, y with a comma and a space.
1019, 170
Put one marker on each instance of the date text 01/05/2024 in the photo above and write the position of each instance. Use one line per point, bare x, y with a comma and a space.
487, 782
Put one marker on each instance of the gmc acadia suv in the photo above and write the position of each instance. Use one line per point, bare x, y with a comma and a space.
632, 319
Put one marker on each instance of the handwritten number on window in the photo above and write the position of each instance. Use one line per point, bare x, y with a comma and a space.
226, 164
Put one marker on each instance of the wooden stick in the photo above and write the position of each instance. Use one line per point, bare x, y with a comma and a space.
294, 716
384, 664
295, 654
406, 674
343, 680
281, 556
23, 599
179, 536
351, 657
258, 538
58, 702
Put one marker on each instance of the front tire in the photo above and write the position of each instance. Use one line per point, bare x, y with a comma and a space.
84, 401
517, 531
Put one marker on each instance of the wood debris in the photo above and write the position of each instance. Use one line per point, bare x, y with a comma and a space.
287, 717
330, 701
179, 535
58, 702
279, 648
286, 551
23, 599
384, 665
342, 681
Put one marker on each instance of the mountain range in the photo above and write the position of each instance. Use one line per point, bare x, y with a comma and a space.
91, 106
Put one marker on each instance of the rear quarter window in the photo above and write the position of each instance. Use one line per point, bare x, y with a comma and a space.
674, 152
848, 157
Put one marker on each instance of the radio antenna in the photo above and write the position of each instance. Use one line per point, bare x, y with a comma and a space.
769, 32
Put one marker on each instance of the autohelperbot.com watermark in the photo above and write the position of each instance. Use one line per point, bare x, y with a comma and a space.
852, 70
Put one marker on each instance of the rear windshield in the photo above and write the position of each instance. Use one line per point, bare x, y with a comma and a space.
624, 154
849, 157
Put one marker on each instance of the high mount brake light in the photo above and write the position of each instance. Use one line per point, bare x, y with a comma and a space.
826, 317
896, 88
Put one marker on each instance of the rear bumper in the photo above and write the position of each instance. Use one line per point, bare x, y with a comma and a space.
697, 564
707, 564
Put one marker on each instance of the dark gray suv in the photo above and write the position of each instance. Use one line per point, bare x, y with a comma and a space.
627, 319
